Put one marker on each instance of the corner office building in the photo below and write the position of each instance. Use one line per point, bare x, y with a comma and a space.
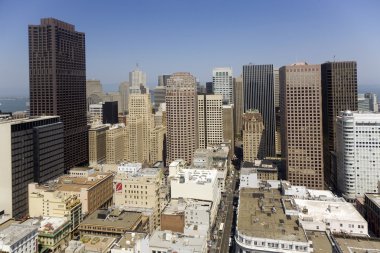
31, 151
57, 76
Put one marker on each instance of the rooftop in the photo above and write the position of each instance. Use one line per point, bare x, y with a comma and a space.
52, 224
15, 233
196, 176
177, 241
116, 218
374, 197
95, 243
74, 184
261, 215
129, 240
321, 241
350, 244
328, 210
176, 206
12, 121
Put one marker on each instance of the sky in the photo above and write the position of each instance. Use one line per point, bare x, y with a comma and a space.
167, 36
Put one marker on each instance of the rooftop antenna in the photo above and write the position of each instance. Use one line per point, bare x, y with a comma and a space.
334, 58
137, 65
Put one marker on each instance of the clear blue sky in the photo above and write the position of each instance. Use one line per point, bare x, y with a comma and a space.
165, 36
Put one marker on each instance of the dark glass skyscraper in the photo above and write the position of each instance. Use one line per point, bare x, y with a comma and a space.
110, 113
57, 72
340, 90
258, 92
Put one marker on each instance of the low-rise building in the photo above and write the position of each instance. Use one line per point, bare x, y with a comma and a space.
176, 166
188, 216
114, 222
348, 244
93, 191
56, 204
97, 243
372, 210
19, 238
167, 241
253, 173
139, 189
132, 243
263, 226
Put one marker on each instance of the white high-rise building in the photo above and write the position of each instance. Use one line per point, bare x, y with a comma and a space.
223, 83
210, 120
358, 153
137, 80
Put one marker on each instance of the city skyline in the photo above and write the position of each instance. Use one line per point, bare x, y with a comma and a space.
146, 36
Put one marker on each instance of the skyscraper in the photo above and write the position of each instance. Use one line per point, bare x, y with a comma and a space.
222, 83
238, 103
339, 90
124, 94
31, 151
137, 81
57, 76
140, 106
258, 88
357, 153
110, 112
210, 120
301, 122
163, 80
253, 131
181, 108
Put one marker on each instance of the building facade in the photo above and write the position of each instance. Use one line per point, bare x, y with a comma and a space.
357, 153
223, 84
57, 77
32, 151
258, 85
115, 144
301, 121
238, 104
181, 116
210, 120
110, 112
97, 144
339, 93
253, 134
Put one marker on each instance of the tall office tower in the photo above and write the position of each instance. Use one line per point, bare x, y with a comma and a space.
210, 120
357, 153
110, 112
133, 134
276, 82
238, 104
94, 92
137, 81
57, 76
31, 151
222, 83
115, 144
301, 123
181, 115
372, 99
253, 132
367, 102
95, 113
97, 143
124, 94
339, 93
163, 80
278, 132
209, 88
228, 126
157, 144
258, 89
140, 106
159, 94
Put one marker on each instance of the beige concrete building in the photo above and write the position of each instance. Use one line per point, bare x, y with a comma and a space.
238, 104
56, 204
139, 105
228, 125
97, 144
93, 191
133, 135
253, 129
181, 106
210, 120
139, 191
157, 144
301, 121
115, 144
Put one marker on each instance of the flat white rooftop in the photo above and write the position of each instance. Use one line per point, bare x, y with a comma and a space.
15, 233
323, 210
